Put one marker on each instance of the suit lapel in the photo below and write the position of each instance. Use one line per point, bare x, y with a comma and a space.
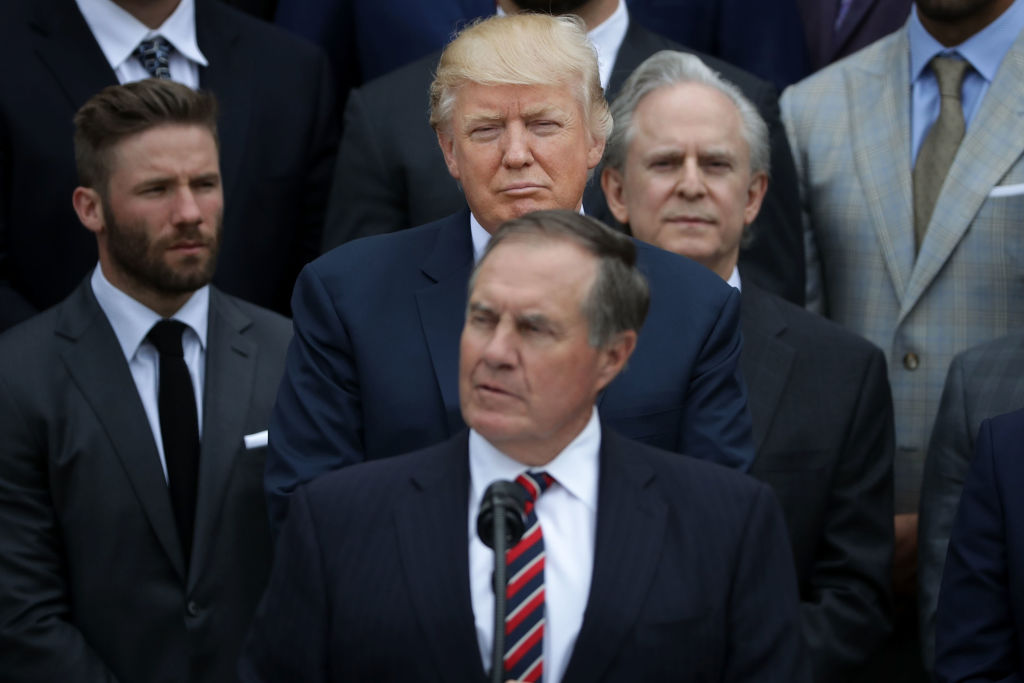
766, 361
95, 362
64, 43
991, 146
442, 307
854, 16
230, 371
217, 37
432, 536
624, 560
879, 99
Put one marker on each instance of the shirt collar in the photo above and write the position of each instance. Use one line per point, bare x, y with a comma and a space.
575, 469
984, 51
481, 237
119, 33
132, 320
734, 279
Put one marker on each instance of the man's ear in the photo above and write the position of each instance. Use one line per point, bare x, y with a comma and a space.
755, 195
615, 194
89, 208
614, 356
447, 143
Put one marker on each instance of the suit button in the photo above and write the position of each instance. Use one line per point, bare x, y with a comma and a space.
910, 361
192, 608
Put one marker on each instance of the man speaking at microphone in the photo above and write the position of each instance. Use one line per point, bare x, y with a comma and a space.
637, 564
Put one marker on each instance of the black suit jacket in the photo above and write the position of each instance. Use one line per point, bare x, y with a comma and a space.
691, 579
823, 429
278, 137
93, 584
391, 174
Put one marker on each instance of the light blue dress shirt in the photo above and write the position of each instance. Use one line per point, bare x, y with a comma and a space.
984, 51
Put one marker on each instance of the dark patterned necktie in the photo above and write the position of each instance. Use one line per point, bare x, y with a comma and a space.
524, 623
154, 54
179, 426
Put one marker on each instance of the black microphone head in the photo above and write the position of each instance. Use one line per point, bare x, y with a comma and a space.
511, 499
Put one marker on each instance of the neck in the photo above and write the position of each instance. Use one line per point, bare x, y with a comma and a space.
162, 303
593, 13
152, 13
954, 31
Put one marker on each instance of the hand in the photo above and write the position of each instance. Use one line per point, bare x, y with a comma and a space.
904, 556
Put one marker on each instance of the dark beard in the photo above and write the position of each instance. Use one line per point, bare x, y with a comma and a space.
132, 250
950, 10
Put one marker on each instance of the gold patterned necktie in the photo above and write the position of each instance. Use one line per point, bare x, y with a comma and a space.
939, 147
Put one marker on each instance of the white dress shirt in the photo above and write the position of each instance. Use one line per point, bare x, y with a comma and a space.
119, 33
567, 513
132, 321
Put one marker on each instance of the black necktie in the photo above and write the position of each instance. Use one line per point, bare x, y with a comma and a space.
155, 56
179, 426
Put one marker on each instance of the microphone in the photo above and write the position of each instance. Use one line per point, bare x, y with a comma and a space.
500, 524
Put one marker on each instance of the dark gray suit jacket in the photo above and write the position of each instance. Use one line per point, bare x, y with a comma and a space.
983, 382
93, 585
823, 428
391, 174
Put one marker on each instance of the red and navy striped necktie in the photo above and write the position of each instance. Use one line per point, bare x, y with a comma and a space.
524, 623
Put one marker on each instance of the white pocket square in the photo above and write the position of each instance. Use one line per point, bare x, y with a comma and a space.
1007, 190
257, 440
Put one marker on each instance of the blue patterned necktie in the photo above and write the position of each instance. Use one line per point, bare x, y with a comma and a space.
154, 55
524, 623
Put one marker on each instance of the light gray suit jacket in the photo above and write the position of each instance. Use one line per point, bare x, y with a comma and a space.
983, 382
93, 584
849, 127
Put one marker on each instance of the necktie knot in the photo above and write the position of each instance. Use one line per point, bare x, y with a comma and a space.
165, 335
534, 483
154, 54
949, 72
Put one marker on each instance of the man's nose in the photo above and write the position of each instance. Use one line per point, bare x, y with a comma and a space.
500, 350
186, 208
690, 183
517, 151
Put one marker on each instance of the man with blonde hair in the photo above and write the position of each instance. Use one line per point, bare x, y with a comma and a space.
372, 370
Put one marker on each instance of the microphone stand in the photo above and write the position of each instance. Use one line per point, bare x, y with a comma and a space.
501, 523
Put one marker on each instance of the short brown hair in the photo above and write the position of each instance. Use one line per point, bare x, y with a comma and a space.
120, 111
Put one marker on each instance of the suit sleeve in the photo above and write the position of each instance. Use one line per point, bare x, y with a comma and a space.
814, 297
287, 640
846, 614
716, 423
366, 198
774, 258
765, 643
315, 425
976, 637
945, 469
37, 640
13, 306
323, 153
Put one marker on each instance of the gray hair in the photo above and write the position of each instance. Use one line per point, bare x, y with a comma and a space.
667, 68
620, 296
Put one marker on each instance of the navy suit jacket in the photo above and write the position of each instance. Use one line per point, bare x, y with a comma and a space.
692, 578
979, 626
373, 368
277, 129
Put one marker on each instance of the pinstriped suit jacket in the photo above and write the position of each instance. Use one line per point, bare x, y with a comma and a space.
983, 382
849, 127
